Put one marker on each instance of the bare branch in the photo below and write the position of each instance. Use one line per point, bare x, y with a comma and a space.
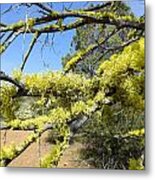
12, 36
120, 47
36, 36
43, 7
98, 7
8, 37
11, 7
2, 35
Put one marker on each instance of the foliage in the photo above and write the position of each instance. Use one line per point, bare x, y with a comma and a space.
106, 104
136, 164
90, 34
64, 98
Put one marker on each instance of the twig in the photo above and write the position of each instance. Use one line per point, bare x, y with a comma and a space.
13, 35
98, 7
114, 48
29, 50
43, 7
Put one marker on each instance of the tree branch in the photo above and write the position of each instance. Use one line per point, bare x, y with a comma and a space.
4, 77
43, 7
77, 58
88, 17
36, 36
9, 40
114, 48
98, 7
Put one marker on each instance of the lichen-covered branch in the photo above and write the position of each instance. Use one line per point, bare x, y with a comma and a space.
4, 77
88, 16
79, 56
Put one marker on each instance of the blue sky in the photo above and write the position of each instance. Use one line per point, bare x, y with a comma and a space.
50, 57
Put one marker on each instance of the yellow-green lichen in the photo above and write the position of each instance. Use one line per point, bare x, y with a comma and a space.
2, 48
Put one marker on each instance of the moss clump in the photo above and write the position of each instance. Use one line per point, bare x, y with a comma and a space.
30, 22
54, 14
2, 48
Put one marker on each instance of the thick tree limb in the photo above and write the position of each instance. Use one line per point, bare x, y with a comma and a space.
2, 25
89, 17
4, 77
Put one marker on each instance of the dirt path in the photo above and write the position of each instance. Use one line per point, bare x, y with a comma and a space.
71, 157
30, 157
